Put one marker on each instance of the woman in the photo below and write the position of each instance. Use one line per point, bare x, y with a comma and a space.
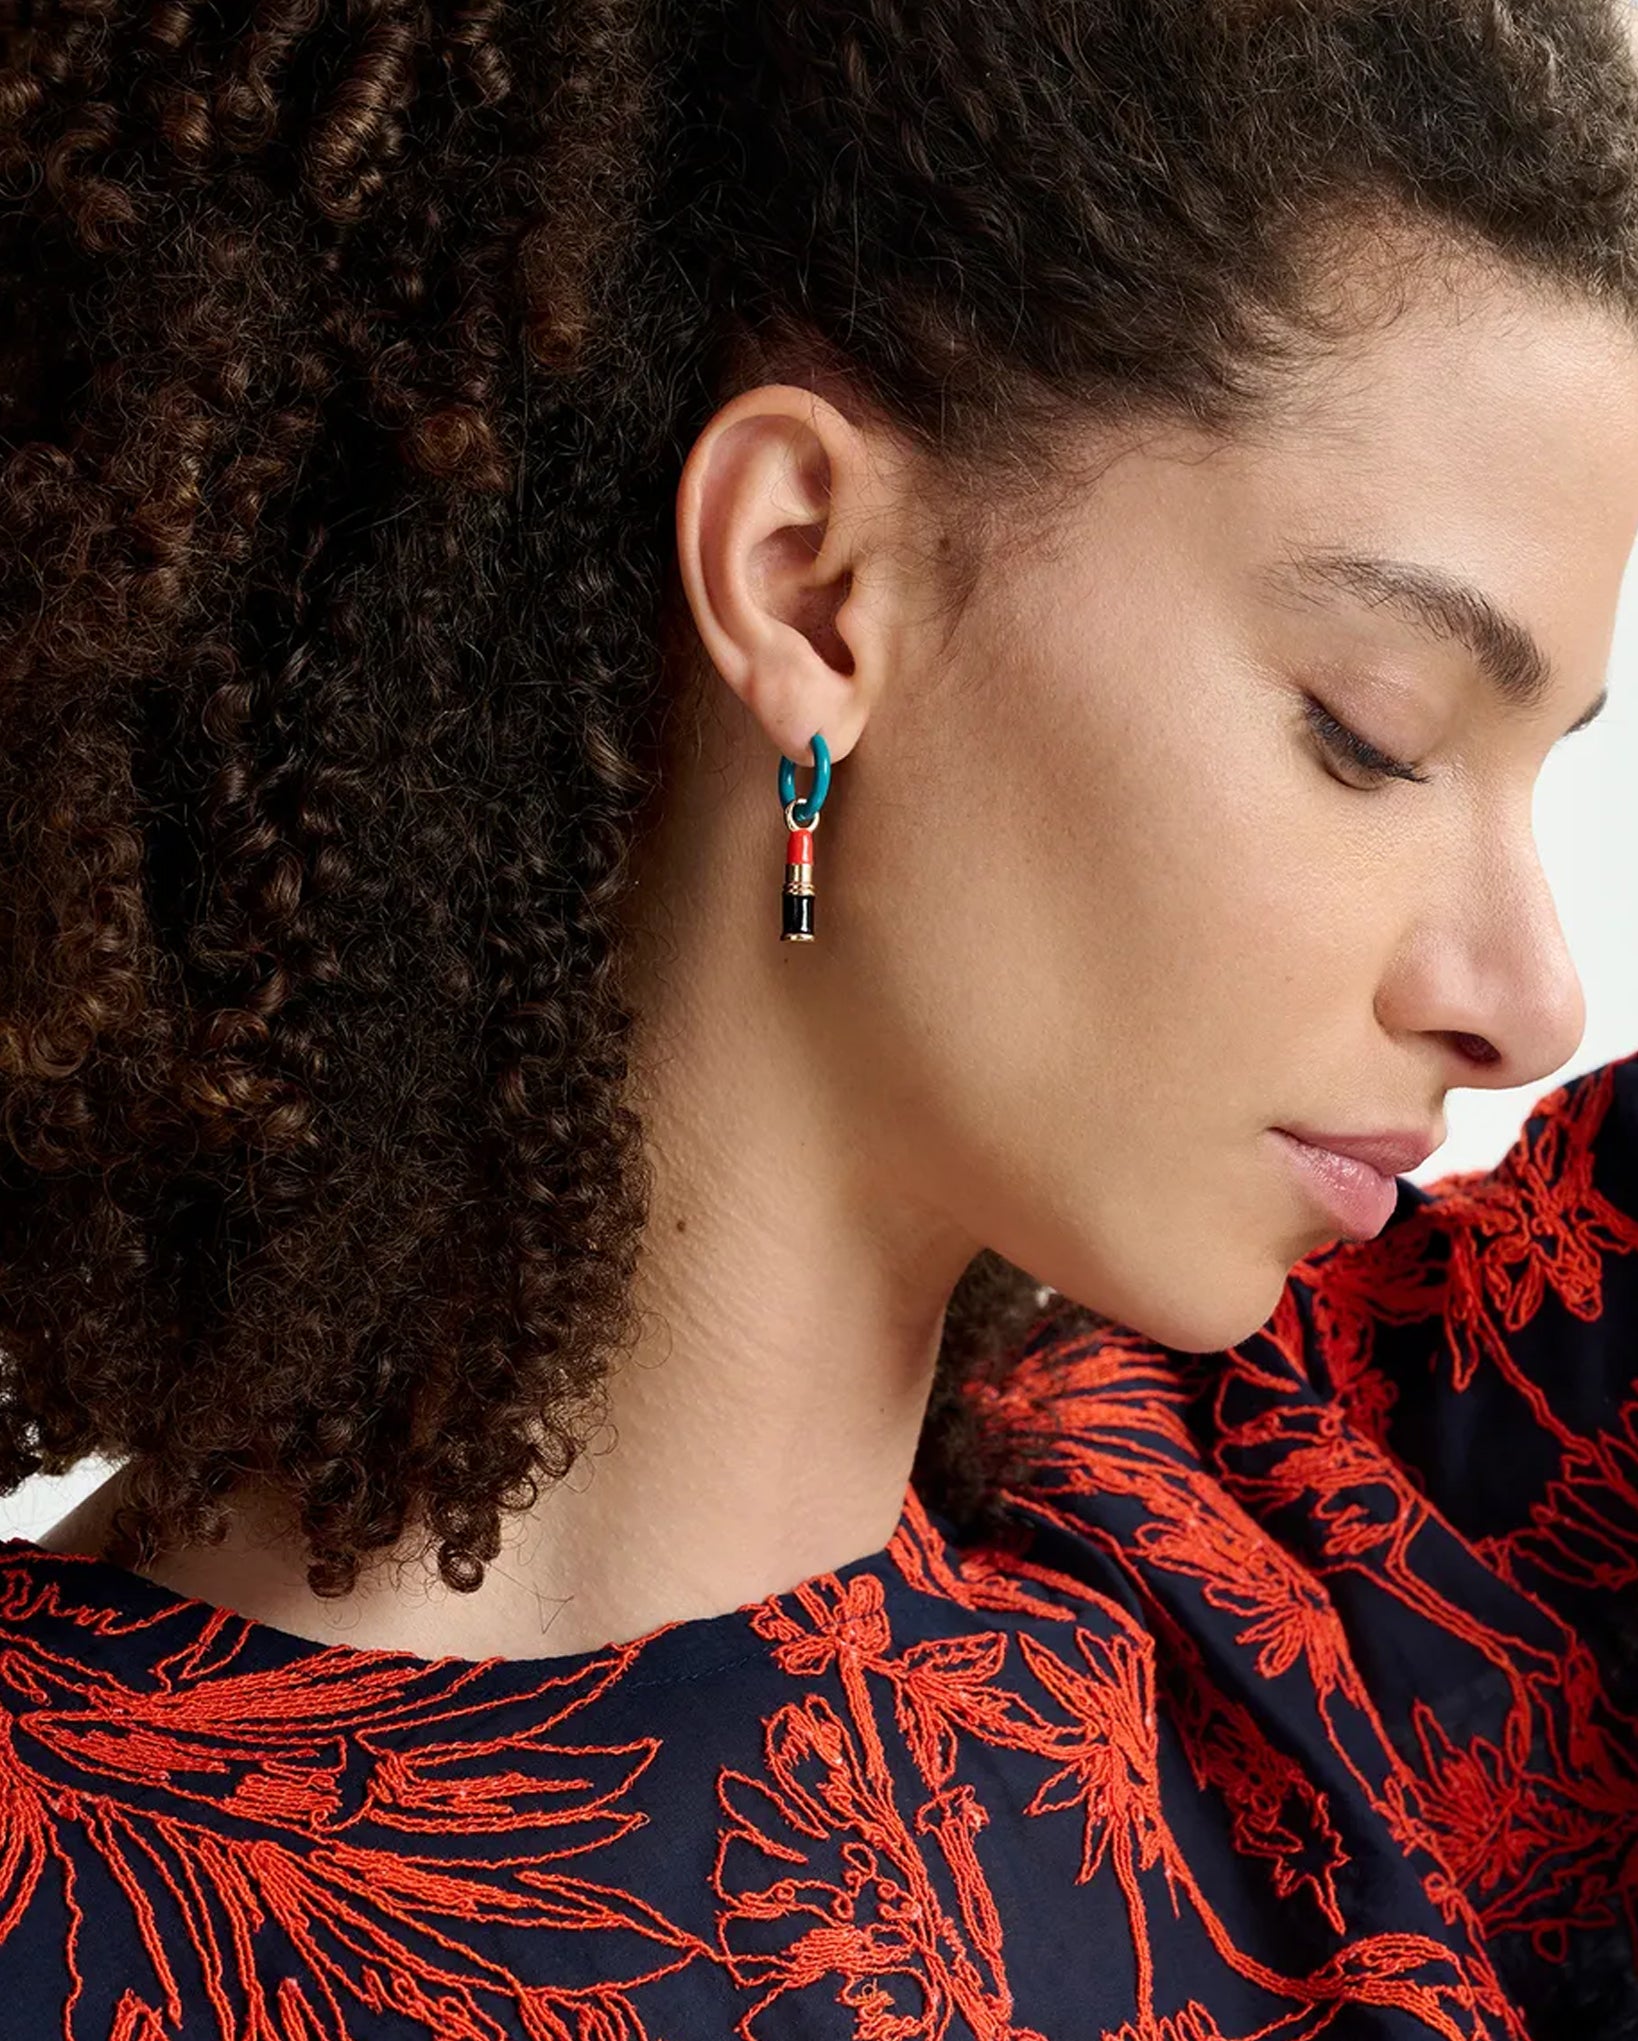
674, 1482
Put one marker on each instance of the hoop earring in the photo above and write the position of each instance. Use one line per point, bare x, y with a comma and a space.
801, 819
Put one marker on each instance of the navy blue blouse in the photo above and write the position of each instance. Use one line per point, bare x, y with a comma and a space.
1309, 1709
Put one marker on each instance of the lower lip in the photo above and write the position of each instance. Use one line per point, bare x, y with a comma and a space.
1361, 1199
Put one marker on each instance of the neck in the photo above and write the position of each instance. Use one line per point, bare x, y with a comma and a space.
791, 1290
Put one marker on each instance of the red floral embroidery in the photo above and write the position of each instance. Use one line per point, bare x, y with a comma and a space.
300, 1798
1288, 1718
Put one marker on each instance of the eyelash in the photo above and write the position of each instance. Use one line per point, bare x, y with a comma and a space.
1341, 741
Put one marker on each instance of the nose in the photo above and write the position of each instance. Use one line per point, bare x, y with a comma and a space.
1525, 1011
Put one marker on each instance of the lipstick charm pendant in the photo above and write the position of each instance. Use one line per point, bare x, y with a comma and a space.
796, 904
797, 901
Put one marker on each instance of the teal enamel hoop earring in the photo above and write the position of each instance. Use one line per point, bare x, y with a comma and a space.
801, 819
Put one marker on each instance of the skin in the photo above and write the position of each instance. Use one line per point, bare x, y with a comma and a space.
1095, 912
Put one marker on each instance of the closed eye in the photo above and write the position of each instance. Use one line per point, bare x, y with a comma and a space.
1341, 742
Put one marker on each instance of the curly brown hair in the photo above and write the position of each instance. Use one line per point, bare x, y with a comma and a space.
350, 357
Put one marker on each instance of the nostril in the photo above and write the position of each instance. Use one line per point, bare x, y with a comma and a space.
1478, 1048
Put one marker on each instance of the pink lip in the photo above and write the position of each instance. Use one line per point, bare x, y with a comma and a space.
1359, 1199
1388, 1154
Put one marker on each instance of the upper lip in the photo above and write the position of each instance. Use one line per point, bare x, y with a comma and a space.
1390, 1154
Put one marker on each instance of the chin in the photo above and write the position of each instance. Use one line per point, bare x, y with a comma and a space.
1203, 1318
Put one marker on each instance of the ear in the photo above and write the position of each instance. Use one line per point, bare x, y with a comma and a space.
773, 511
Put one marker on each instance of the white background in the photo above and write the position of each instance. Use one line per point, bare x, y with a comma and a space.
1586, 818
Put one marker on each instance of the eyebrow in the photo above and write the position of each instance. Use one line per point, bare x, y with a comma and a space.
1437, 604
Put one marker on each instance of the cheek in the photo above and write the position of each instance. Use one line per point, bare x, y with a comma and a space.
1104, 936
1180, 877
1162, 996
